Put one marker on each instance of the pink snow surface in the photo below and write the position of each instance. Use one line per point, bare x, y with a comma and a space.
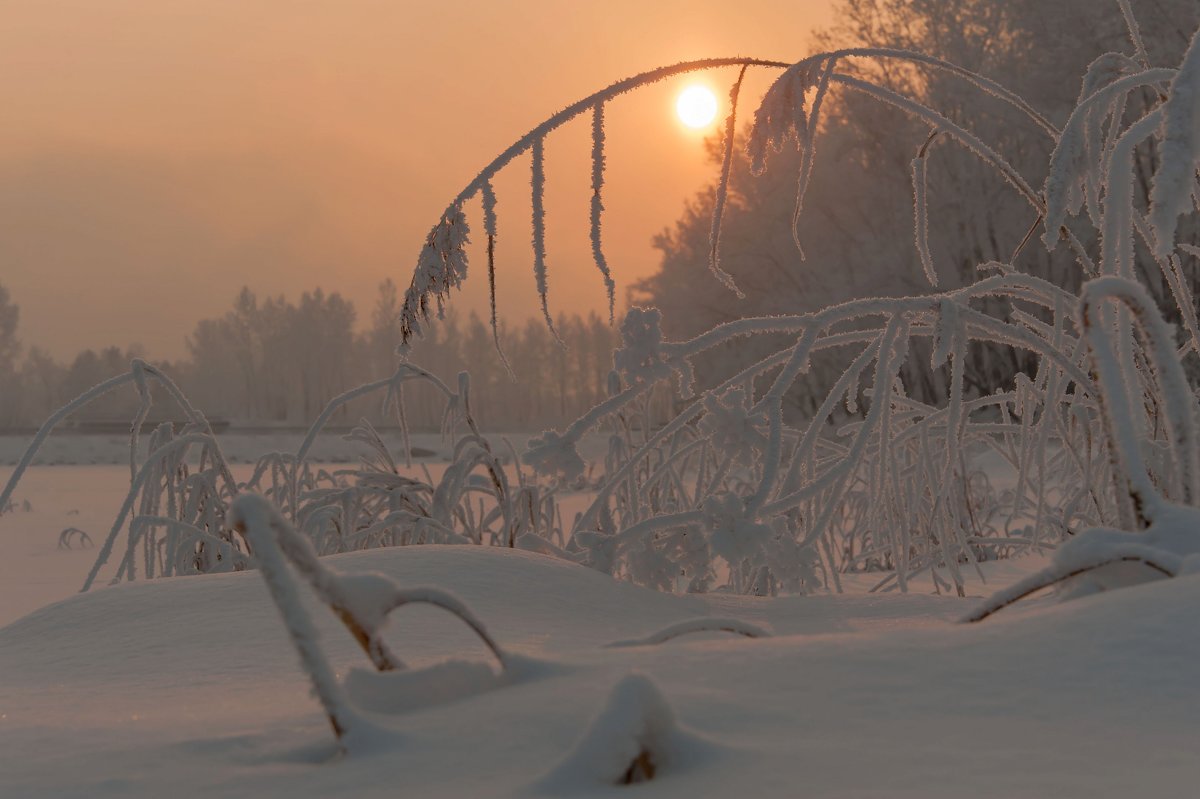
189, 687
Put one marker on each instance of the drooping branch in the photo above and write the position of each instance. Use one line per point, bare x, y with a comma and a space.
1179, 403
361, 601
255, 519
597, 207
139, 371
718, 215
488, 195
1054, 575
428, 281
537, 181
921, 209
442, 263
692, 626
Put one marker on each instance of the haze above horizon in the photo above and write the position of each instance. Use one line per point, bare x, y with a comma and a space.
158, 156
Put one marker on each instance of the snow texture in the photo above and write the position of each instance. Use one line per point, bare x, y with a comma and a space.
189, 687
633, 739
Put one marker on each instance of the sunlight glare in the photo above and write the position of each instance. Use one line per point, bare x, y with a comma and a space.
696, 106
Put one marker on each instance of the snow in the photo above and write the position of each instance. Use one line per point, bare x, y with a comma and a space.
189, 687
35, 571
636, 726
533, 675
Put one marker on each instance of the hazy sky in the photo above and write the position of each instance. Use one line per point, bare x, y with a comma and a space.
156, 155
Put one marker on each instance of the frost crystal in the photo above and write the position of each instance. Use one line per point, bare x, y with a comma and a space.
441, 267
783, 113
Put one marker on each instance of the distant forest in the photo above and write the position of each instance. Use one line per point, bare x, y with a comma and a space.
272, 361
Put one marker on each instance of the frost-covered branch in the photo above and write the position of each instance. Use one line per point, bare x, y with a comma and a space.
691, 626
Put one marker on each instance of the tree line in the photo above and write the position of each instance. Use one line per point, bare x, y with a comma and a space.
269, 360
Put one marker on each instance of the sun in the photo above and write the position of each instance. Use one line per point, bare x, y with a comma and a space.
696, 106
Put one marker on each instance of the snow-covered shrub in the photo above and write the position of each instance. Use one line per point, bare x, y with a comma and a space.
174, 519
1167, 540
1150, 410
730, 493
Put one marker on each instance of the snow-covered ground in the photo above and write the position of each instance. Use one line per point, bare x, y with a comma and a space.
190, 686
35, 570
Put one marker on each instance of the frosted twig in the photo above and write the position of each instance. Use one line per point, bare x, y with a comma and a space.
537, 181
808, 150
921, 209
1135, 34
957, 132
252, 516
597, 206
1179, 152
1179, 402
720, 198
690, 626
135, 485
488, 196
1069, 159
1161, 562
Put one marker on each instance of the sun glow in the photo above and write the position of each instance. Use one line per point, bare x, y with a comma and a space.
696, 106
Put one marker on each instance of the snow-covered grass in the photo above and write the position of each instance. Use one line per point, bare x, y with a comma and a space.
732, 493
189, 687
40, 567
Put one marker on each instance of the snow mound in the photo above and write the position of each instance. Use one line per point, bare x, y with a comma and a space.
634, 739
190, 687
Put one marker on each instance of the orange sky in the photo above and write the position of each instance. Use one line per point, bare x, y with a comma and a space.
156, 155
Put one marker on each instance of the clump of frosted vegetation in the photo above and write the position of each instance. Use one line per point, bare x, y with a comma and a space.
175, 517
729, 494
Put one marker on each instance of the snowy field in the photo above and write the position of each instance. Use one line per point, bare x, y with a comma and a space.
68, 449
190, 686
